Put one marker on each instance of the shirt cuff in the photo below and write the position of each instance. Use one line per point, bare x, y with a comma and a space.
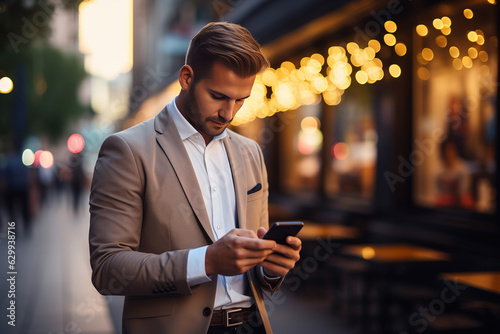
268, 279
196, 273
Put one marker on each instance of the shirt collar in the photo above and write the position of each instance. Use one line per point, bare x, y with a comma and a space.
186, 130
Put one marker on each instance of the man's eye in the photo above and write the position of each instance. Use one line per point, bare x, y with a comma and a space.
218, 97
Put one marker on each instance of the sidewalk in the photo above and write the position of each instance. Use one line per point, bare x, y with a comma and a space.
54, 293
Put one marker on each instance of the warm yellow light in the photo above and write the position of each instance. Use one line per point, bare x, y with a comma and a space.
472, 36
285, 95
446, 21
472, 52
395, 70
454, 52
446, 30
336, 51
438, 24
427, 54
467, 62
368, 253
107, 44
370, 52
269, 77
319, 58
374, 44
310, 123
390, 26
483, 56
332, 98
389, 39
374, 73
361, 77
352, 47
360, 57
468, 13
441, 41
320, 84
480, 39
457, 64
400, 49
493, 2
422, 30
288, 65
314, 66
304, 61
423, 74
6, 85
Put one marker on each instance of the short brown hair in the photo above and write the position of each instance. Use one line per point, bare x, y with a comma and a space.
226, 43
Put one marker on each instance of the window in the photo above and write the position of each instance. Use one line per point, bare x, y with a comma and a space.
350, 168
455, 107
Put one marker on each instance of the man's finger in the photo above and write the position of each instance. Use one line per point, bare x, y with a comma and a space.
244, 233
256, 244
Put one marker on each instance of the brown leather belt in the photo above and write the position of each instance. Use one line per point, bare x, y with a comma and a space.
231, 317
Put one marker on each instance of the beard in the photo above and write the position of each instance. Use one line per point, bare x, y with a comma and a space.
195, 118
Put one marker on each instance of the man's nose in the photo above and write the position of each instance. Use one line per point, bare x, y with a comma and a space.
227, 109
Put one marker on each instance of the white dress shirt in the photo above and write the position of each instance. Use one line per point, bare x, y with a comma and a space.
213, 172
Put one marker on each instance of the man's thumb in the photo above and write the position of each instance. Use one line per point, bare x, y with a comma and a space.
261, 231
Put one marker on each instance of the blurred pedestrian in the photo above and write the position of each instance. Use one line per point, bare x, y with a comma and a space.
78, 180
17, 182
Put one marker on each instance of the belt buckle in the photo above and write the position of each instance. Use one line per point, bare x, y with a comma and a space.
227, 317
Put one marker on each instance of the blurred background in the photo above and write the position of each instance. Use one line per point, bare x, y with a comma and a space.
378, 121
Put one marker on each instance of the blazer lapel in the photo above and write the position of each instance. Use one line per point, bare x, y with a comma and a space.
239, 178
168, 138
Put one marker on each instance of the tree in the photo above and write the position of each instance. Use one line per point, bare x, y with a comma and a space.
46, 80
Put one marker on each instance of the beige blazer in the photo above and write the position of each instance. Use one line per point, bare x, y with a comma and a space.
147, 211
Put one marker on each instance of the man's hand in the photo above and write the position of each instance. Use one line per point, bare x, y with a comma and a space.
236, 252
283, 258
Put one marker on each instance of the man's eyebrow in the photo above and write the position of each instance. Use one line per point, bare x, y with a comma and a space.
225, 96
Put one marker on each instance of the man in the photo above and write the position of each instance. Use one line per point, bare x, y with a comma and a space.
179, 204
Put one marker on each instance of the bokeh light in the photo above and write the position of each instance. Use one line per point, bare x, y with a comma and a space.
454, 52
46, 159
441, 41
6, 85
395, 70
390, 26
400, 49
469, 14
422, 30
340, 151
75, 143
389, 39
28, 157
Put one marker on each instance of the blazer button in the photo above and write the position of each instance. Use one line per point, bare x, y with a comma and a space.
207, 311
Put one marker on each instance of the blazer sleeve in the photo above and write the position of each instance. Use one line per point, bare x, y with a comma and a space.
116, 209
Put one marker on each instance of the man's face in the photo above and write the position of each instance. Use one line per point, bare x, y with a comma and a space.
213, 101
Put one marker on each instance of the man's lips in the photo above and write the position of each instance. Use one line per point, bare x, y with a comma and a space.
219, 123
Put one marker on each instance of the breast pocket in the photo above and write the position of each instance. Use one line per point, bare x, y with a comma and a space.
254, 210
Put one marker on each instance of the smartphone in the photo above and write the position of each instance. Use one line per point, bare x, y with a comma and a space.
280, 230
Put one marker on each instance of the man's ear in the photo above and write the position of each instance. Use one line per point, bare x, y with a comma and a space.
186, 76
